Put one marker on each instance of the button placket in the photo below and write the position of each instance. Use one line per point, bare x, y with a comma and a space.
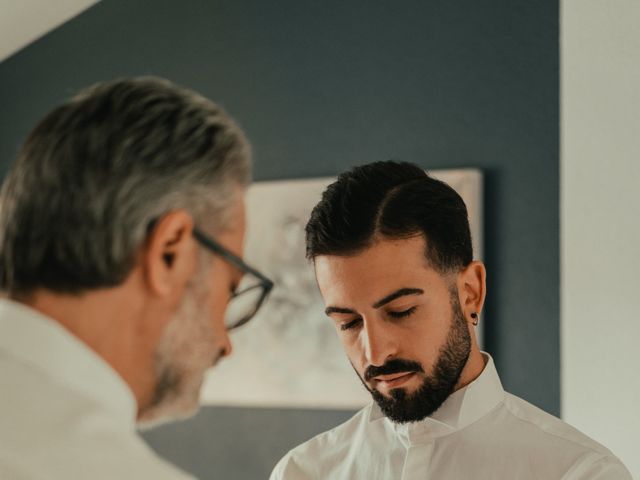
417, 461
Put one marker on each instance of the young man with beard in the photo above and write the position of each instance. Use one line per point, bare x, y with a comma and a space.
121, 232
393, 259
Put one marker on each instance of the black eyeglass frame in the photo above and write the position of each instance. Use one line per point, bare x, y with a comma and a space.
265, 283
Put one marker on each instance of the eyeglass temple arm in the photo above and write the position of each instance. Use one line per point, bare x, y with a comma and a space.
230, 257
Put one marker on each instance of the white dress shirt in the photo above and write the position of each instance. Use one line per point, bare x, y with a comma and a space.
480, 432
64, 412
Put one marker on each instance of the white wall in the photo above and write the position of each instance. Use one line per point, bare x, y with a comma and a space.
600, 222
24, 21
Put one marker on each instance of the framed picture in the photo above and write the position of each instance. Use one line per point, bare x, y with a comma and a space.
290, 355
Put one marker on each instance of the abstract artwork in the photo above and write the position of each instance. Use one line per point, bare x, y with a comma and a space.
289, 355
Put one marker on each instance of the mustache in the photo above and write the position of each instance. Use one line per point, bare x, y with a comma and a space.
395, 365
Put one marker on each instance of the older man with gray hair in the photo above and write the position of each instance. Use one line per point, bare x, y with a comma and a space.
121, 234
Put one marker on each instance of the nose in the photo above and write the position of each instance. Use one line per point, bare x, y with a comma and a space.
226, 347
378, 342
221, 339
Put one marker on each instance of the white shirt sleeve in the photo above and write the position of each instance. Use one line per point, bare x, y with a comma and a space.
605, 467
288, 469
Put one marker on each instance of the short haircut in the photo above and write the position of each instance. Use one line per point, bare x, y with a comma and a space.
391, 200
97, 171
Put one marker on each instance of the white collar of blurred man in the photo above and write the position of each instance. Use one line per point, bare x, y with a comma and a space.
163, 327
98, 216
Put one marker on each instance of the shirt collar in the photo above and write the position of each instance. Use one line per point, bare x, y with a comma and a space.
461, 408
44, 344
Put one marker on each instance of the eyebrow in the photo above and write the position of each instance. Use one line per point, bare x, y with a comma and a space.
397, 294
380, 303
329, 310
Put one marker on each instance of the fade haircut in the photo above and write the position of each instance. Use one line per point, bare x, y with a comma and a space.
97, 171
391, 200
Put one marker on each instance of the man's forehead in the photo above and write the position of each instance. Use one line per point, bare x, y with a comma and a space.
386, 265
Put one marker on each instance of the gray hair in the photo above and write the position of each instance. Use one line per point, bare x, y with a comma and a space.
96, 172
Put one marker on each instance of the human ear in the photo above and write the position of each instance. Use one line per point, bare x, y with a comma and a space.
472, 289
169, 256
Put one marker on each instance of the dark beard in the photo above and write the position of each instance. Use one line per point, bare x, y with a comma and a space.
435, 389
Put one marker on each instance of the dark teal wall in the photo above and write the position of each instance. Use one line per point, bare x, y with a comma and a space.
321, 86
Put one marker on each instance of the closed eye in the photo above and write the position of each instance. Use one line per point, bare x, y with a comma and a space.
350, 325
403, 314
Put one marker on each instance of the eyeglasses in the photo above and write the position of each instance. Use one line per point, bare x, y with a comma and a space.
250, 294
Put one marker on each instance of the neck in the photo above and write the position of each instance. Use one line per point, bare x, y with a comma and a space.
473, 368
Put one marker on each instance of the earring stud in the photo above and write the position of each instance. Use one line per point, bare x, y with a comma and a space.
474, 315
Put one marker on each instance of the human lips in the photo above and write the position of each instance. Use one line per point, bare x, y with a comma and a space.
394, 380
